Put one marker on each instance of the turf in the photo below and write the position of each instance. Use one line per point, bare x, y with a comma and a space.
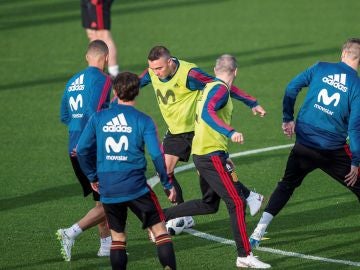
43, 44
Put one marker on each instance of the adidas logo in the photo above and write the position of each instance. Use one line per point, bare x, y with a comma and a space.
117, 124
77, 85
337, 80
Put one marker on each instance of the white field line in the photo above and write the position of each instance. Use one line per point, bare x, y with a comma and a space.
269, 250
154, 180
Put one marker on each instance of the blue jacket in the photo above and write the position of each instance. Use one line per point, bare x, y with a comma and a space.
331, 110
111, 149
85, 93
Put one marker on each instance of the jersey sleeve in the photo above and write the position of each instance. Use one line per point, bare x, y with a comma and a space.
242, 96
145, 78
64, 111
197, 79
101, 95
153, 145
354, 129
216, 99
86, 150
292, 90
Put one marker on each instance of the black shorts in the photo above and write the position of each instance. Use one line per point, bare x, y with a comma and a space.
178, 144
146, 208
95, 14
84, 181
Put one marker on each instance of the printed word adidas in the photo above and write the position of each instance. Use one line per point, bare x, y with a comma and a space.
117, 124
78, 84
337, 80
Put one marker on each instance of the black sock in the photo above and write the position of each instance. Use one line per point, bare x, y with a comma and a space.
118, 256
166, 252
179, 196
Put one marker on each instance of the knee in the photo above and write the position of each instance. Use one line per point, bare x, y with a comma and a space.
212, 207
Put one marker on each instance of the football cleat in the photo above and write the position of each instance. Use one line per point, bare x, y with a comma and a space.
104, 251
66, 244
251, 262
254, 202
257, 235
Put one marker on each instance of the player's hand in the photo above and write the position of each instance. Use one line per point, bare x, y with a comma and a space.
258, 110
171, 194
95, 186
237, 137
288, 128
73, 153
352, 176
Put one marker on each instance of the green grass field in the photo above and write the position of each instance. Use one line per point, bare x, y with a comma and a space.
42, 44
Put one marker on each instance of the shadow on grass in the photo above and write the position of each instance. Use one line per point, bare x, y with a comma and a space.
40, 196
31, 83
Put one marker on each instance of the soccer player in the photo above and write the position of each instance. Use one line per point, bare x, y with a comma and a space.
210, 153
96, 21
176, 84
111, 153
330, 113
85, 93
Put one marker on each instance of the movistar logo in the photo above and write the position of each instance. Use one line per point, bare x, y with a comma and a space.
76, 103
112, 145
165, 99
325, 99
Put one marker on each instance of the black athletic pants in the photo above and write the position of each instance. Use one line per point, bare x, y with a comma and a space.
215, 183
303, 160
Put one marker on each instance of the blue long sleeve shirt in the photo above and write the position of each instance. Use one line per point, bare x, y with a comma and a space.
111, 149
85, 93
331, 110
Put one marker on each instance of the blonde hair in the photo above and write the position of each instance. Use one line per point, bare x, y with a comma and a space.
352, 47
226, 63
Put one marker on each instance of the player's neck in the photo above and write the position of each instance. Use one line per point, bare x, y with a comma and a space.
126, 103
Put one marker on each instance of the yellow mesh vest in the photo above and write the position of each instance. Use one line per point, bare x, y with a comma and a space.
206, 139
177, 103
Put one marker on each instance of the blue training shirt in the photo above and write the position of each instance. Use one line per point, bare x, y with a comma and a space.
331, 110
85, 93
111, 149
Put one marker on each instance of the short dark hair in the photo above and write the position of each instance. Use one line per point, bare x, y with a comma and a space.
157, 52
126, 86
98, 47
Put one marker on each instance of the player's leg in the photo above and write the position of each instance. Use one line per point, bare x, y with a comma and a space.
208, 204
302, 160
96, 21
253, 199
148, 210
116, 215
95, 216
213, 169
337, 164
170, 162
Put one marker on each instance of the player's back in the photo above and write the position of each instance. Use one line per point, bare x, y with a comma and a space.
85, 93
324, 116
121, 161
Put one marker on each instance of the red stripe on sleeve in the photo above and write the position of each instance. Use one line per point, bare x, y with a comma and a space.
104, 93
200, 76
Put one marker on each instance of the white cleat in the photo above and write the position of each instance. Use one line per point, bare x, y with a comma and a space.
66, 244
189, 222
251, 262
104, 251
254, 202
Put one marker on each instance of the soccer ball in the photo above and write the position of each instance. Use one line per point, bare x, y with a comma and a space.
175, 226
